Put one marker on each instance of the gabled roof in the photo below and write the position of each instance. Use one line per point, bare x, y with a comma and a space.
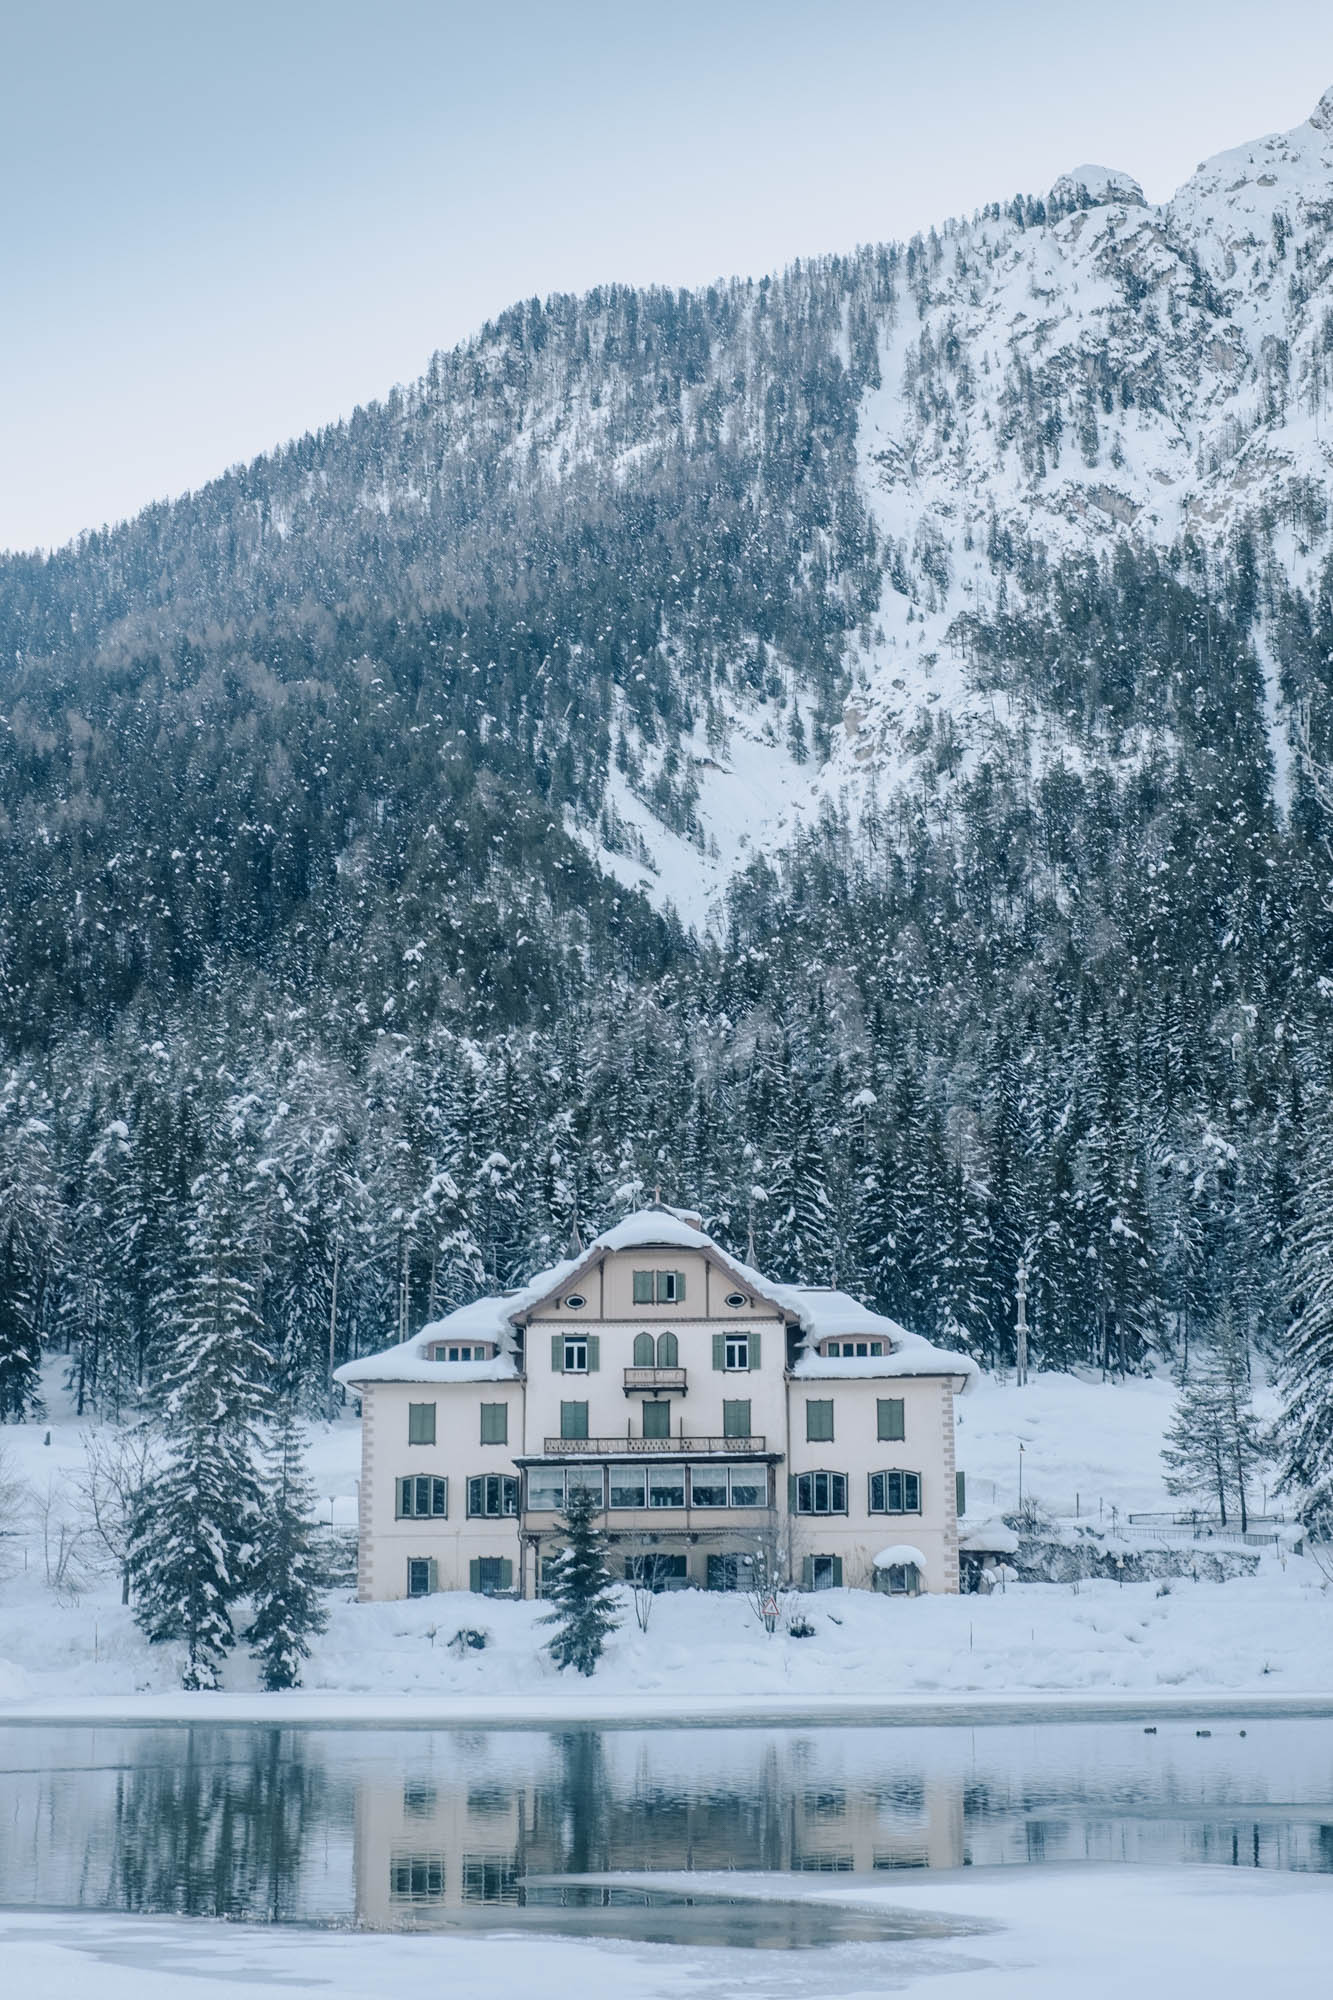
658, 1228
821, 1314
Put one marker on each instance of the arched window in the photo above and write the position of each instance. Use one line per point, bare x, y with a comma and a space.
643, 1350
668, 1351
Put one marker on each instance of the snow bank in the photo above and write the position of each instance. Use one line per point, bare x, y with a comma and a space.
1019, 1934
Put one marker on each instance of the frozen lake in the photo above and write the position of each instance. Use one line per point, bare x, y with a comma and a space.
449, 1830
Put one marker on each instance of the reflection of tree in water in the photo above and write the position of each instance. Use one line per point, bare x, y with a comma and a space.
217, 1833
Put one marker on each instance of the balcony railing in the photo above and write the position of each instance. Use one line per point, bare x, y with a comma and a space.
655, 1378
668, 1447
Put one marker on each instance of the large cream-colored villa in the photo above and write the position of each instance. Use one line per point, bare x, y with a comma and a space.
721, 1420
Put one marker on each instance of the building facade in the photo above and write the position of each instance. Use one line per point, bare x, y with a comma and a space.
729, 1426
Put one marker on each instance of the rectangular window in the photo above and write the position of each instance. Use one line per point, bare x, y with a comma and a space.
657, 1572
670, 1288
821, 1493
666, 1486
819, 1422
736, 1419
589, 1477
736, 1353
729, 1572
749, 1486
420, 1576
628, 1486
573, 1420
824, 1573
643, 1288
895, 1493
576, 1357
890, 1410
546, 1489
421, 1497
416, 1878
708, 1486
491, 1496
490, 1574
657, 1420
421, 1423
495, 1423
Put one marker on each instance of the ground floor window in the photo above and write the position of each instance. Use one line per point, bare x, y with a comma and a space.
490, 1575
821, 1493
895, 1492
493, 1494
899, 1580
416, 1878
654, 1570
421, 1497
730, 1572
823, 1573
420, 1576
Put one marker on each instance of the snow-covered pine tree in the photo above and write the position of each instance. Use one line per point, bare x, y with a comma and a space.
30, 1223
288, 1577
193, 1549
1305, 1429
582, 1589
1214, 1444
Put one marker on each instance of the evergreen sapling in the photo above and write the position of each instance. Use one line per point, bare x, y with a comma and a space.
582, 1589
289, 1578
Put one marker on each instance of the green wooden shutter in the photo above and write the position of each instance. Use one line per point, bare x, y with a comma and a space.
643, 1288
808, 1573
680, 1288
558, 1353
643, 1350
506, 1573
791, 1492
890, 1412
594, 1353
434, 1573
474, 1573
719, 1350
837, 1572
960, 1491
754, 1350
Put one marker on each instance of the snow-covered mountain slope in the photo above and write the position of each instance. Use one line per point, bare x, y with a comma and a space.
706, 562
1101, 369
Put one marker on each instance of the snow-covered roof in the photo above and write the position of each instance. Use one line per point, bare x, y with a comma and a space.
897, 1555
990, 1538
820, 1313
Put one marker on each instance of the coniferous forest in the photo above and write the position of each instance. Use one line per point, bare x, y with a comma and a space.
312, 939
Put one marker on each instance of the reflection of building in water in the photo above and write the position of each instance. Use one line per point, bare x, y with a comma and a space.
426, 1843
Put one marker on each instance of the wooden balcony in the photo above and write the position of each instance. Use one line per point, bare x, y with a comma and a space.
655, 1379
667, 1447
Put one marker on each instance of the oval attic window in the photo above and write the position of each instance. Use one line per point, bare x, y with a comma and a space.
575, 1300
737, 1299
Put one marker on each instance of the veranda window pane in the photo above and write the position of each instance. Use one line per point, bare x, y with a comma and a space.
546, 1490
628, 1486
589, 1477
666, 1486
748, 1487
708, 1486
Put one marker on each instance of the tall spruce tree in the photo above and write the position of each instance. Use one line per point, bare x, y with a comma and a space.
287, 1575
582, 1589
194, 1545
1305, 1431
1214, 1444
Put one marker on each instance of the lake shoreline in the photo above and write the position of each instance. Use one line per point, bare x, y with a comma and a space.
311, 1709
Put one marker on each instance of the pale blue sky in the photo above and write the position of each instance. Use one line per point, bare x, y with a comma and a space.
226, 223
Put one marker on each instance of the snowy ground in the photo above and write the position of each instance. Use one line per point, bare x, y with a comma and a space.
1087, 1445
1024, 1934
